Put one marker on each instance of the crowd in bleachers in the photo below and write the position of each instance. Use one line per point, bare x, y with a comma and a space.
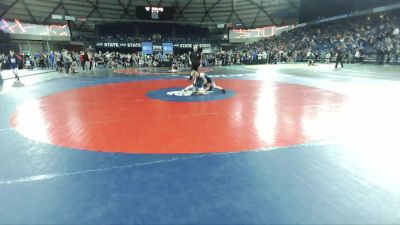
373, 38
150, 32
177, 39
70, 62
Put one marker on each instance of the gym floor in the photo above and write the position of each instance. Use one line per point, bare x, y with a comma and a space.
286, 144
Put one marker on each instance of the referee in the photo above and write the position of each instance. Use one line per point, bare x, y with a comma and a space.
195, 59
339, 57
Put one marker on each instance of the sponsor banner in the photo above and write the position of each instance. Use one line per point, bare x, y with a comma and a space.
165, 47
157, 48
147, 48
240, 34
176, 45
168, 48
118, 45
207, 50
20, 28
111, 45
133, 45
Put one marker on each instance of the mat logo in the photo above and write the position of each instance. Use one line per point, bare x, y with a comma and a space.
184, 93
179, 93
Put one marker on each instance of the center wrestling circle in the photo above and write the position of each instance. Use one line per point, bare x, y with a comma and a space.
127, 118
178, 95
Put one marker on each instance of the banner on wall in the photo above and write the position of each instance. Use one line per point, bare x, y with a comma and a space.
27, 31
240, 35
118, 45
177, 45
157, 48
147, 48
168, 48
18, 27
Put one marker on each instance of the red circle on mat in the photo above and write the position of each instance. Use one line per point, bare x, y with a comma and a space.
119, 117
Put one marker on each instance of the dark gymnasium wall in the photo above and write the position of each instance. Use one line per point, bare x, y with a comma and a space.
311, 10
6, 44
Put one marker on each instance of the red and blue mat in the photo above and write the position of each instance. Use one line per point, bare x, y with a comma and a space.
124, 150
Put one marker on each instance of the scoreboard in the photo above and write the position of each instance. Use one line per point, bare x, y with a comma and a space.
240, 35
154, 13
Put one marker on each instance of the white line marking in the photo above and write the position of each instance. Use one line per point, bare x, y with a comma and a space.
49, 176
